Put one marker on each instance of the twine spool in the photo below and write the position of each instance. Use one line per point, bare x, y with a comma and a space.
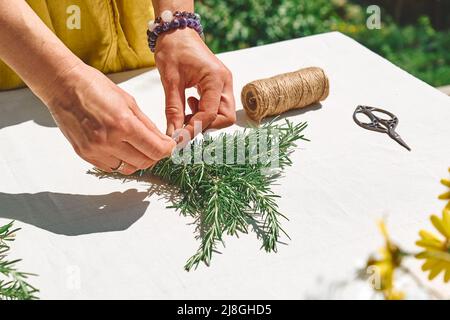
284, 92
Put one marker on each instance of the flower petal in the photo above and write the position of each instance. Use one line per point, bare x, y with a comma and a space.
445, 182
447, 274
430, 244
436, 270
426, 235
437, 223
446, 220
445, 196
429, 264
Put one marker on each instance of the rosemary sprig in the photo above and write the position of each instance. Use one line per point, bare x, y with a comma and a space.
224, 198
13, 283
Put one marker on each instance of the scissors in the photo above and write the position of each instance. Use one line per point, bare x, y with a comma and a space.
378, 124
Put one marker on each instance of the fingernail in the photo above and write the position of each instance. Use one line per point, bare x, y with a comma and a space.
170, 128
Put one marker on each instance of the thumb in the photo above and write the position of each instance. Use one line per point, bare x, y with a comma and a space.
175, 104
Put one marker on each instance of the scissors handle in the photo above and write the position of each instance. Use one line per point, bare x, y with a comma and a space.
376, 124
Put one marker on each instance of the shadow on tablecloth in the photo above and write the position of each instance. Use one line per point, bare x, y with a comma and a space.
75, 214
18, 106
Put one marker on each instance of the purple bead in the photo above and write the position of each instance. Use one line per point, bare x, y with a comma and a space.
183, 23
153, 37
189, 22
195, 24
175, 24
177, 14
157, 30
165, 26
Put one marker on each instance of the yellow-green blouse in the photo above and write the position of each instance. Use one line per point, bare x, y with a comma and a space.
111, 34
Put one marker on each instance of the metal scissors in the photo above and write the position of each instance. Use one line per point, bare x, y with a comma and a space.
378, 124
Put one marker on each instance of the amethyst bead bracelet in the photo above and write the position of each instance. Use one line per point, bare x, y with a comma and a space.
171, 21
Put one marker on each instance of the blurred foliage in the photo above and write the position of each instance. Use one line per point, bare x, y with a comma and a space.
237, 24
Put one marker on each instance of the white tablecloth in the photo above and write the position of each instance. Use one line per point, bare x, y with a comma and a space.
91, 238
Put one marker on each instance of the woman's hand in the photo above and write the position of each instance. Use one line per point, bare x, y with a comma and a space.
185, 61
103, 122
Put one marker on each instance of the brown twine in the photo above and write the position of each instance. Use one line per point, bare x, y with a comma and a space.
288, 91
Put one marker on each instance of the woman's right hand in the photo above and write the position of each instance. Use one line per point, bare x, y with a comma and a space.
103, 122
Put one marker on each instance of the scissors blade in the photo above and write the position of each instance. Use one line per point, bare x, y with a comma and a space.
394, 135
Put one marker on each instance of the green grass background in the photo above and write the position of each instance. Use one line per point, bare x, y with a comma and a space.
418, 47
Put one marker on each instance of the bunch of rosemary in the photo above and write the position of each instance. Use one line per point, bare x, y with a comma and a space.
13, 283
224, 197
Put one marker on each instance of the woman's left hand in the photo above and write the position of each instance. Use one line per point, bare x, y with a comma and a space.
184, 61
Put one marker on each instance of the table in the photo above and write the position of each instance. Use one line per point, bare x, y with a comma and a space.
91, 238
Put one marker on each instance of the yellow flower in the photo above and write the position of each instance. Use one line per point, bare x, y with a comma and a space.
437, 250
446, 196
390, 259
